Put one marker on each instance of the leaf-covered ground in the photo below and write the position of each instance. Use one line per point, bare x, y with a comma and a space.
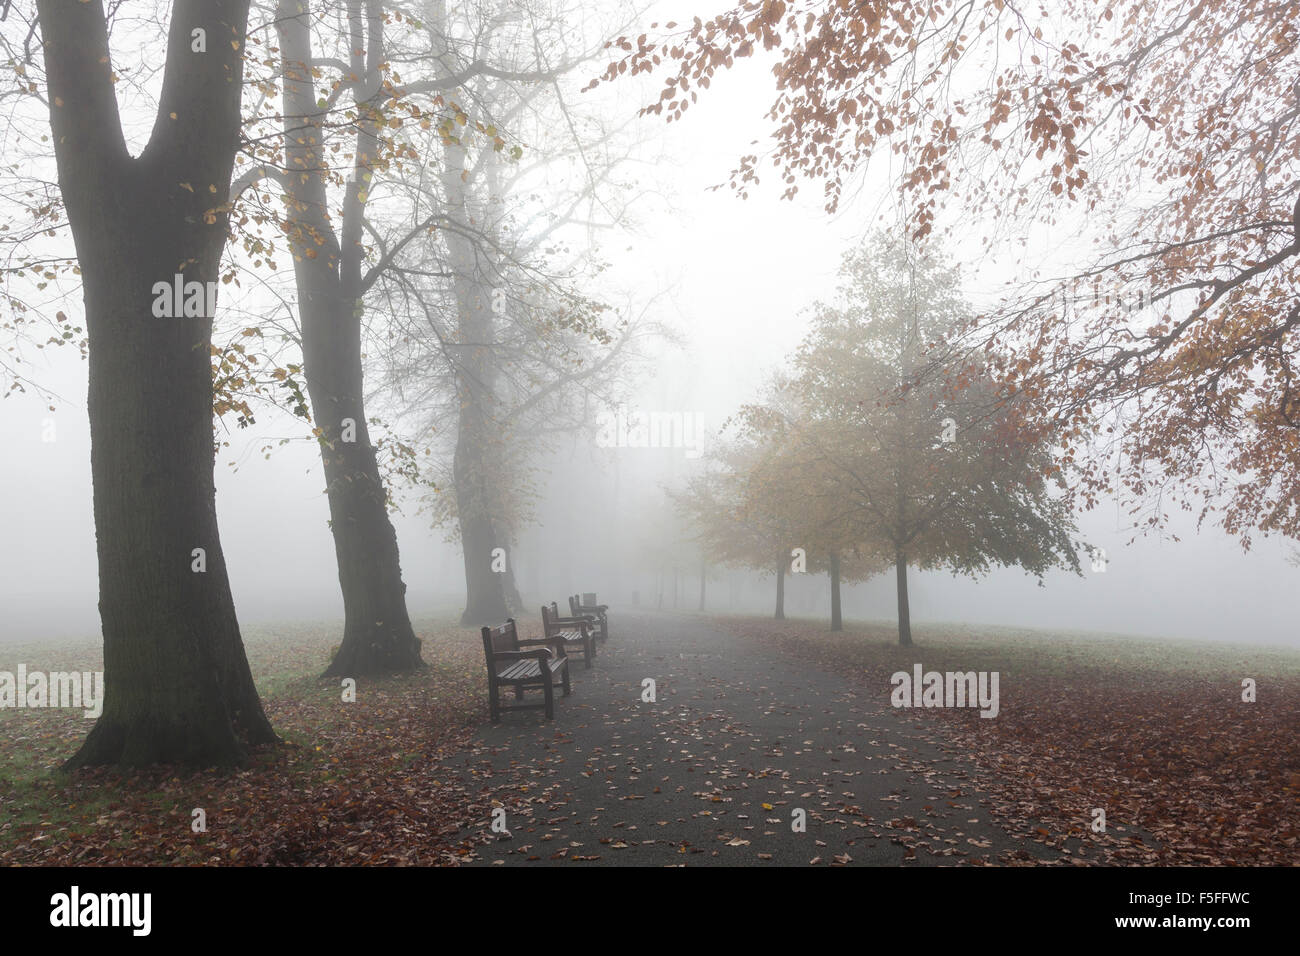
1153, 732
354, 782
753, 720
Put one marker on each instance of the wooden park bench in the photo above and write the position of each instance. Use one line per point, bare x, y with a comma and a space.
509, 665
570, 630
582, 607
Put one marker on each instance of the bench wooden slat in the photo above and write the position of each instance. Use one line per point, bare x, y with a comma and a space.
519, 670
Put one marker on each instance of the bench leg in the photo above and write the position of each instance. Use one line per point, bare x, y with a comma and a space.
589, 650
550, 699
565, 682
494, 706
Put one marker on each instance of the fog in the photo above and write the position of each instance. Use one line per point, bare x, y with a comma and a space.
728, 279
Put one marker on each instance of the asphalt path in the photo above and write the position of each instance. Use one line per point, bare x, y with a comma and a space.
746, 756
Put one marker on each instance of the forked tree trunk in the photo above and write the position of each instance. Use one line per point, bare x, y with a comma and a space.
904, 611
837, 623
377, 633
177, 684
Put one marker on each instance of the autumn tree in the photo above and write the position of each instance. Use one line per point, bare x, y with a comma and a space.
334, 148
906, 447
830, 541
495, 344
178, 686
331, 280
1169, 125
741, 510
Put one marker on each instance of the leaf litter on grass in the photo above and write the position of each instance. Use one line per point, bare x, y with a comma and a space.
1155, 734
378, 781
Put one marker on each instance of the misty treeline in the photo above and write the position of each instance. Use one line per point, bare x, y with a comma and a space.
435, 188
885, 445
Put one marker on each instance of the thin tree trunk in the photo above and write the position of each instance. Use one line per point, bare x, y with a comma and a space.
780, 588
377, 633
904, 611
177, 684
837, 623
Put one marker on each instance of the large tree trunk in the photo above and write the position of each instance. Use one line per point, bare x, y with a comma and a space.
780, 587
479, 498
485, 602
377, 633
904, 611
837, 622
476, 508
177, 684
514, 603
